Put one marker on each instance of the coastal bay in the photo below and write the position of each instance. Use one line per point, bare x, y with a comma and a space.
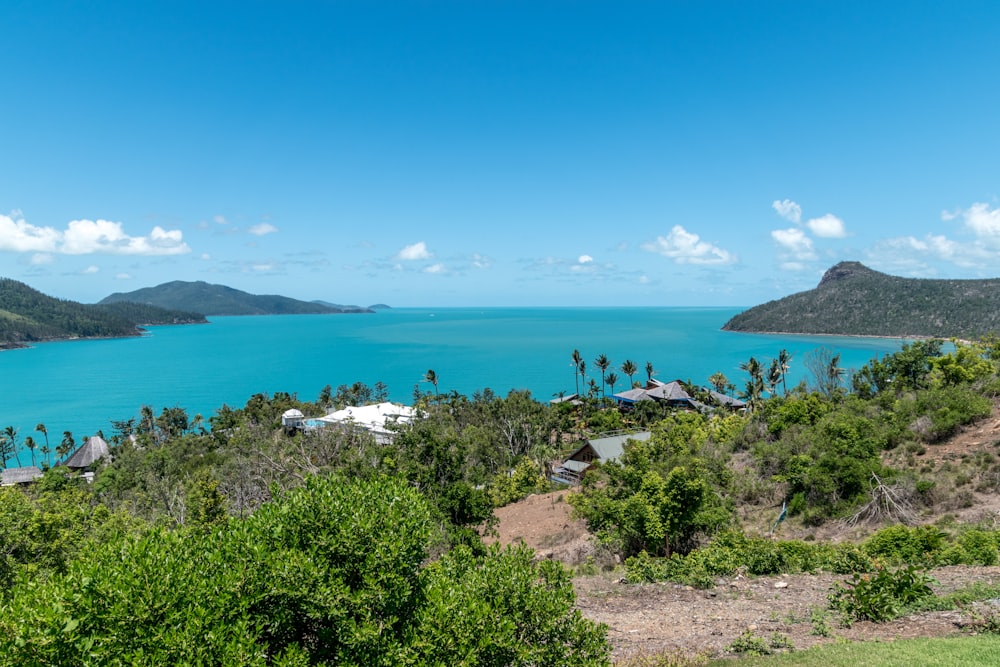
81, 386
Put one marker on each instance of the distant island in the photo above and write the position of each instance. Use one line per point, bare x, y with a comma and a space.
212, 299
28, 316
854, 300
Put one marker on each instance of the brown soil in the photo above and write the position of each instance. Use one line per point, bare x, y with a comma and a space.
655, 618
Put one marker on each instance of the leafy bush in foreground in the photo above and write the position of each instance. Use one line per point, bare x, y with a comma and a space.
334, 572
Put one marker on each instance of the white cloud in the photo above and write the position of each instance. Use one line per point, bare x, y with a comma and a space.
220, 220
85, 237
685, 247
262, 229
643, 280
263, 267
122, 276
585, 259
481, 261
205, 256
983, 221
828, 226
796, 245
18, 236
414, 252
788, 210
42, 258
435, 268
91, 269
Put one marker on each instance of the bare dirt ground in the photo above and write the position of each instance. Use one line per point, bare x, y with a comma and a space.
654, 618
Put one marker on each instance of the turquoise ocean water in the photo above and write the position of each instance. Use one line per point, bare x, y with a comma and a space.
81, 385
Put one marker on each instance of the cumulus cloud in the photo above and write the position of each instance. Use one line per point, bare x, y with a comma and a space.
981, 220
796, 246
685, 247
414, 252
262, 229
86, 237
91, 269
122, 276
788, 210
828, 226
435, 268
19, 236
585, 259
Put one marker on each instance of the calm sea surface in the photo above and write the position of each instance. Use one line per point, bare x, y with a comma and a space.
81, 385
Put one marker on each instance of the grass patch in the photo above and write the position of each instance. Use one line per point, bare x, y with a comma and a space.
982, 650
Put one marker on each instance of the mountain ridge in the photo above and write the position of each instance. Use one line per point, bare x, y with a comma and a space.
852, 299
28, 316
212, 299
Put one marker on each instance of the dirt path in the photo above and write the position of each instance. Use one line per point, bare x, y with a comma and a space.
653, 618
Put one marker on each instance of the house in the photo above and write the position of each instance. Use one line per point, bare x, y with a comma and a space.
674, 395
668, 393
292, 419
604, 449
377, 419
90, 452
25, 475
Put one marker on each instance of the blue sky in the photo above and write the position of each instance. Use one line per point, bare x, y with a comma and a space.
497, 153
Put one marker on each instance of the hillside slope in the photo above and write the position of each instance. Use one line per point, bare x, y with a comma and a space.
212, 299
852, 299
27, 315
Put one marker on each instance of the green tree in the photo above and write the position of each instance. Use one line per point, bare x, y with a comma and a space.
629, 368
612, 379
604, 364
46, 450
650, 371
719, 381
67, 445
10, 436
577, 360
432, 377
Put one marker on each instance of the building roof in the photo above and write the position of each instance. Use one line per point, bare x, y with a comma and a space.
611, 447
94, 449
728, 401
292, 413
12, 476
633, 396
372, 417
671, 391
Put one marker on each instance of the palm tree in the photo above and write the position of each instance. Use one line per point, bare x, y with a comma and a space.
755, 385
67, 445
10, 433
773, 376
431, 376
29, 442
612, 381
46, 450
602, 363
784, 360
576, 369
629, 368
583, 371
719, 381
650, 371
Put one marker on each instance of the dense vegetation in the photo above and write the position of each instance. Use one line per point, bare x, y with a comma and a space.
232, 540
211, 299
852, 299
27, 315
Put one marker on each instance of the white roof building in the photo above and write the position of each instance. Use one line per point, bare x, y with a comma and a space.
373, 418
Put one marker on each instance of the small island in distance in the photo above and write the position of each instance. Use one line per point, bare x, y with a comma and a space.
212, 299
29, 316
854, 300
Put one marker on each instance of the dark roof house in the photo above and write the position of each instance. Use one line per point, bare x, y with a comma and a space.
91, 451
602, 450
24, 475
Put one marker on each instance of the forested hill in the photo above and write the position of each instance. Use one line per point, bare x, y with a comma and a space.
211, 299
852, 299
27, 315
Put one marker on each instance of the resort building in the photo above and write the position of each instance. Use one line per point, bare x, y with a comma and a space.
379, 419
606, 448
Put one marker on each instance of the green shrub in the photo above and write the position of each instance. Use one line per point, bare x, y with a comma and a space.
879, 597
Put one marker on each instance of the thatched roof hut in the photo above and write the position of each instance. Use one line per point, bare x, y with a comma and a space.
25, 475
93, 450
